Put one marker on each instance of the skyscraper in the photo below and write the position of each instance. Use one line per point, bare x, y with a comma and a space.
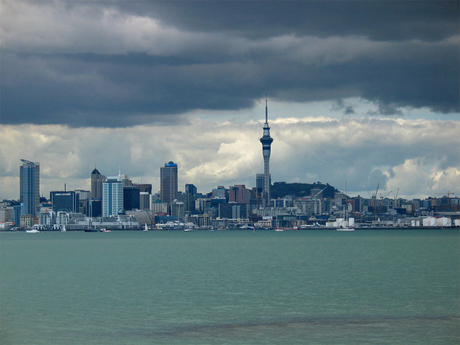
96, 184
266, 141
29, 189
168, 182
112, 196
190, 192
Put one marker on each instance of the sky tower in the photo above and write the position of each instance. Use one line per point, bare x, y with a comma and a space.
266, 141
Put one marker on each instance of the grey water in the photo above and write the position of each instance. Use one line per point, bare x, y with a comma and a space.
230, 287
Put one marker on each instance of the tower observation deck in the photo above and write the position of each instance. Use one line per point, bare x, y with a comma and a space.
266, 141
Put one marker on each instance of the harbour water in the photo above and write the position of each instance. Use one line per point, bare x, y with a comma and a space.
230, 287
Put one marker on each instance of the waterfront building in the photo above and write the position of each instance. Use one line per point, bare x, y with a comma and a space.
6, 214
168, 182
17, 211
97, 179
27, 221
266, 141
65, 201
112, 196
29, 188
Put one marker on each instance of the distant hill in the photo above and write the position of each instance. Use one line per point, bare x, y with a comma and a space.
281, 189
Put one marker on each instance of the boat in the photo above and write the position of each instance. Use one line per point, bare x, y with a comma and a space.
32, 231
279, 229
345, 228
105, 230
146, 228
91, 230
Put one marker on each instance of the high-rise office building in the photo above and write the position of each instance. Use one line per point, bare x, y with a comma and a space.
168, 182
266, 141
131, 198
65, 201
94, 207
190, 192
145, 190
97, 179
29, 188
238, 194
112, 196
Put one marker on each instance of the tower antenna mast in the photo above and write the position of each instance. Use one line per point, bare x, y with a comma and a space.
266, 109
266, 141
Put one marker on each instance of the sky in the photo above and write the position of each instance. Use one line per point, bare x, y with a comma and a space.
360, 93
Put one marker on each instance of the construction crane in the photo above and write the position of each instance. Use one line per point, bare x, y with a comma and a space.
319, 192
150, 216
374, 197
383, 196
448, 196
376, 191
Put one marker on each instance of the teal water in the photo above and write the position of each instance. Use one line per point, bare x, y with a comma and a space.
230, 287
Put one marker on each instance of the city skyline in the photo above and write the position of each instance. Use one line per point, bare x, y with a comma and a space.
361, 93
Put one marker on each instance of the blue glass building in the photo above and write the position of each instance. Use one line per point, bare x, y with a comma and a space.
112, 196
29, 189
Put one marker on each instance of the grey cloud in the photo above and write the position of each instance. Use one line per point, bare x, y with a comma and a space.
242, 51
379, 20
340, 105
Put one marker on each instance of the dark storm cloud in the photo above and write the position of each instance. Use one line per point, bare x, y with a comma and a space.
379, 20
227, 55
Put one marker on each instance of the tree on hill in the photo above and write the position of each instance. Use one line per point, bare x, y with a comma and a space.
298, 190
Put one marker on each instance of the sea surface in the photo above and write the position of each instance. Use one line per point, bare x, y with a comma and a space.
230, 287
